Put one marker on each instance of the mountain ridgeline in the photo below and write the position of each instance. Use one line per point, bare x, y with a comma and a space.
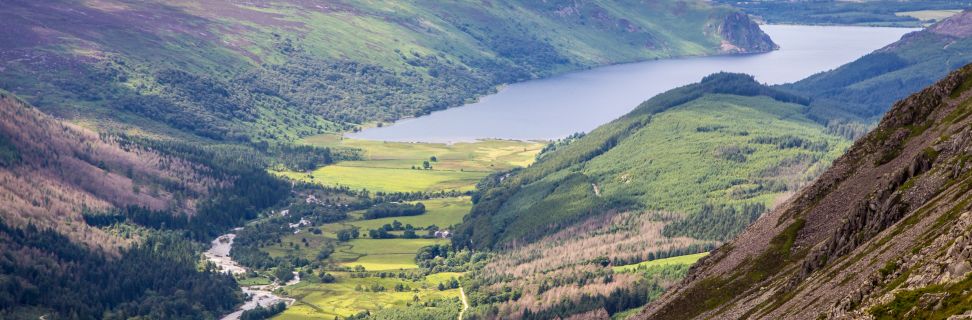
883, 233
863, 90
741, 143
277, 71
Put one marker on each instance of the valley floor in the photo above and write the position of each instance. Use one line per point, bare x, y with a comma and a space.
381, 273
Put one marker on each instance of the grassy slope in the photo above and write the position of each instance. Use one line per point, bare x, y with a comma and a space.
287, 69
663, 162
686, 259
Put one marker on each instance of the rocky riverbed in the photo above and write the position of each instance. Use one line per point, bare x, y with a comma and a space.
261, 295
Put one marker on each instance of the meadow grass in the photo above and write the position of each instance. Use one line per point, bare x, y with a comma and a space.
482, 155
385, 254
373, 254
379, 179
324, 301
391, 166
686, 259
442, 212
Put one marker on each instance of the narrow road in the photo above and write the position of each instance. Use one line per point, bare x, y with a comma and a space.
465, 303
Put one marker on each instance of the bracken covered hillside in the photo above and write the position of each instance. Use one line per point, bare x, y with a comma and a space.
279, 70
51, 172
884, 233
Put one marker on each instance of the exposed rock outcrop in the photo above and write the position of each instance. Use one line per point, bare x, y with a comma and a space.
742, 35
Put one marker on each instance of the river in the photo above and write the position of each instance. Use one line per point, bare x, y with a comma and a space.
262, 295
555, 107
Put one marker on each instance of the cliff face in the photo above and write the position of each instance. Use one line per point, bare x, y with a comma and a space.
885, 232
742, 35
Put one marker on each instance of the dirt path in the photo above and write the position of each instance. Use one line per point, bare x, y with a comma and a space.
465, 303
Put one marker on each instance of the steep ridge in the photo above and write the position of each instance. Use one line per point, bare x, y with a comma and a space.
883, 233
865, 88
280, 70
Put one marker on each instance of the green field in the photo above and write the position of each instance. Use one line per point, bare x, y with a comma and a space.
396, 166
373, 254
324, 301
483, 155
383, 254
387, 167
380, 179
686, 259
442, 212
928, 15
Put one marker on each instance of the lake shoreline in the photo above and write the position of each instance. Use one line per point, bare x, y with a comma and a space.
579, 101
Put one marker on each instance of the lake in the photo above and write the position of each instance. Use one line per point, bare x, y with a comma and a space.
555, 107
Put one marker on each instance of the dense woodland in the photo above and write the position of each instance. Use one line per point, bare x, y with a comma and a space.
386, 210
157, 278
502, 198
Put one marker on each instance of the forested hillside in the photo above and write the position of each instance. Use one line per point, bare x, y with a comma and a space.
717, 153
882, 234
76, 206
276, 71
683, 172
866, 88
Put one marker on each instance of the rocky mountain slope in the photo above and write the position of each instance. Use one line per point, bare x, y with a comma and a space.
278, 70
882, 234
